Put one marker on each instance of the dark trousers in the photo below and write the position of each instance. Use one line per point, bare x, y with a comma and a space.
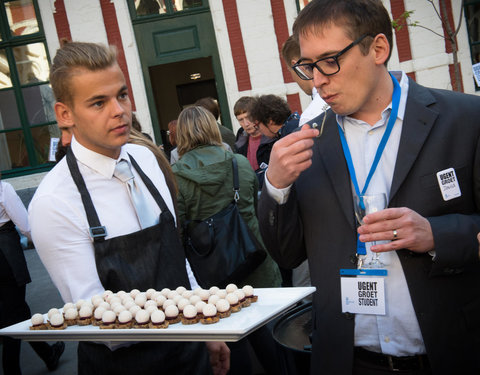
145, 358
264, 347
14, 309
240, 362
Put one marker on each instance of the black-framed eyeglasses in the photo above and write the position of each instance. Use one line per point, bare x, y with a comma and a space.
326, 65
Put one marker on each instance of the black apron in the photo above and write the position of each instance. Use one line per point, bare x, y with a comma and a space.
13, 267
13, 277
150, 258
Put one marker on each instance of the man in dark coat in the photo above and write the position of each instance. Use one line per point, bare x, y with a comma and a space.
429, 170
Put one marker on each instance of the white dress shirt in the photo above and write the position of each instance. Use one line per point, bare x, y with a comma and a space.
12, 208
60, 229
314, 109
398, 332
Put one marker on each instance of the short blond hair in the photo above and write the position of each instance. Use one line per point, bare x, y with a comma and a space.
74, 56
196, 127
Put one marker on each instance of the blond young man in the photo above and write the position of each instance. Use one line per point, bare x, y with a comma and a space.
110, 243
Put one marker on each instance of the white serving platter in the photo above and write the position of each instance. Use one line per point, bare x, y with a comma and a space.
271, 303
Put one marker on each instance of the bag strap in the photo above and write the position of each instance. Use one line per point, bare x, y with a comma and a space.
236, 185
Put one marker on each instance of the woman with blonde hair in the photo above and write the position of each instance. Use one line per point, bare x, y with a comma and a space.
205, 184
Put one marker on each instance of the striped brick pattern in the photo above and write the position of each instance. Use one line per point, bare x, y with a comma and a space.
293, 101
236, 45
402, 37
61, 21
281, 31
114, 38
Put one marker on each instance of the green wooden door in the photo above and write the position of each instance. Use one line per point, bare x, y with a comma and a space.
183, 38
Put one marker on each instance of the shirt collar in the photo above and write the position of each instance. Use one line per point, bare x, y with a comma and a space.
101, 164
402, 79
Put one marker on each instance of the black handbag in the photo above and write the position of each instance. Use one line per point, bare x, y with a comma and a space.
222, 249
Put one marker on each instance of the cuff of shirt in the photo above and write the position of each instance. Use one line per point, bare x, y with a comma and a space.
279, 195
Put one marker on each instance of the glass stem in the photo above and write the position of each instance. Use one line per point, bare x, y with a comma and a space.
375, 255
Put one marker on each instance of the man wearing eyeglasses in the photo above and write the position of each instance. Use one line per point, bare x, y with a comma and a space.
383, 134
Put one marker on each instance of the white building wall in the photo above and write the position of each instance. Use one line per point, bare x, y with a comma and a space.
226, 58
429, 62
87, 25
261, 50
394, 62
142, 111
47, 9
261, 47
429, 59
86, 21
293, 88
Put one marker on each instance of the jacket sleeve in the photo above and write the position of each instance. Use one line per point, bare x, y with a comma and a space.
282, 230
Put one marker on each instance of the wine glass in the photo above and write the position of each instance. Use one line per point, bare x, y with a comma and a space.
368, 204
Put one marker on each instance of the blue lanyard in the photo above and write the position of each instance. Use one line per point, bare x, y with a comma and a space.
346, 151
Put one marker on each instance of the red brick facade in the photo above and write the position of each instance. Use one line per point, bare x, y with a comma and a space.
114, 38
236, 45
61, 21
293, 101
448, 6
281, 31
403, 39
451, 71
401, 36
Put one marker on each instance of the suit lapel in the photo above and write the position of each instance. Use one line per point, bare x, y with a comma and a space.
331, 153
417, 124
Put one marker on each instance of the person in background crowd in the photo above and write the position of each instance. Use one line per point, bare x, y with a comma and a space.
92, 98
136, 125
211, 105
172, 131
64, 141
426, 238
14, 276
290, 55
205, 182
271, 115
251, 143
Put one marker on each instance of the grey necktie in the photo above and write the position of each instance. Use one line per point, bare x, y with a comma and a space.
145, 215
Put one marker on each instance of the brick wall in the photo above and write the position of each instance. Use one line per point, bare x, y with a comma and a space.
61, 21
114, 38
237, 47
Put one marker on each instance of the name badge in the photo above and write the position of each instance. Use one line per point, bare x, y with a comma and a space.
448, 183
363, 295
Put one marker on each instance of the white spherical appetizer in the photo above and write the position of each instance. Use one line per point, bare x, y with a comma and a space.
231, 288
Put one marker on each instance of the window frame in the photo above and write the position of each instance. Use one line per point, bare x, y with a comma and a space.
471, 43
136, 19
7, 44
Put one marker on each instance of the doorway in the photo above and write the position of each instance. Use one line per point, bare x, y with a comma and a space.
180, 64
178, 85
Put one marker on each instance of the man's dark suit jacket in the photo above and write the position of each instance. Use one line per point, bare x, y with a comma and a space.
441, 130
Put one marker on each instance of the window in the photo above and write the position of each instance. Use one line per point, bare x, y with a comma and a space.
27, 119
156, 7
301, 4
472, 18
